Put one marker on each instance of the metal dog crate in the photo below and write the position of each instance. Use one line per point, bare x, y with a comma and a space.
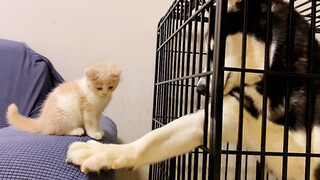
183, 38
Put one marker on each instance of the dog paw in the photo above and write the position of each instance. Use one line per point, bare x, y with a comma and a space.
93, 156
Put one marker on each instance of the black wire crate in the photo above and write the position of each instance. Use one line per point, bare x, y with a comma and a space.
197, 41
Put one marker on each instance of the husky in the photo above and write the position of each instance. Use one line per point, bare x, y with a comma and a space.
186, 133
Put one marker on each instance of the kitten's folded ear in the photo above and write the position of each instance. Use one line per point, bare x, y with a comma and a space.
116, 71
91, 73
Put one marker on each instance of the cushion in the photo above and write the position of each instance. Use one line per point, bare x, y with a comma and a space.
26, 78
35, 156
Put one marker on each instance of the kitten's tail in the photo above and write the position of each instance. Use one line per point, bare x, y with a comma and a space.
20, 122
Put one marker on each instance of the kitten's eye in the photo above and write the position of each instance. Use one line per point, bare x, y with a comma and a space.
110, 87
99, 88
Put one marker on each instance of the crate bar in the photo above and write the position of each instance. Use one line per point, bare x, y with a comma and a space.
185, 77
192, 52
160, 56
257, 153
158, 122
265, 87
217, 81
195, 31
227, 162
187, 21
169, 71
187, 72
179, 62
278, 73
155, 92
160, 96
160, 170
182, 64
266, 72
290, 41
179, 108
182, 83
206, 111
305, 10
207, 156
176, 3
174, 90
162, 76
242, 84
246, 168
174, 66
310, 89
302, 4
208, 164
201, 48
187, 81
171, 162
165, 77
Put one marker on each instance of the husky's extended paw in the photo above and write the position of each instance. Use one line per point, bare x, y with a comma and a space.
93, 156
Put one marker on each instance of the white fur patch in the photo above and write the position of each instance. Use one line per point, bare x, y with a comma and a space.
232, 5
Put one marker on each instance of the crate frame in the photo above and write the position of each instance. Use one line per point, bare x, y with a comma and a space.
175, 84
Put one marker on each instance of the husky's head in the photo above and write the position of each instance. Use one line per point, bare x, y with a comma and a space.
255, 48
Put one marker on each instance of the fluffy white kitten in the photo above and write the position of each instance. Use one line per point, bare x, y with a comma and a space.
74, 107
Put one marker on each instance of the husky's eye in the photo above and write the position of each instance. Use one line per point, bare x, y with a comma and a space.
110, 87
99, 88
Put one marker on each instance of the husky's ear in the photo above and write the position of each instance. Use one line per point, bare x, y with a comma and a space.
115, 70
238, 5
232, 5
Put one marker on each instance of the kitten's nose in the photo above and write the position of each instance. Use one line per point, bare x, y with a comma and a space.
201, 89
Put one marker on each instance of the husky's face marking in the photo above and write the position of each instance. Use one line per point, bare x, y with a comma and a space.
233, 58
255, 52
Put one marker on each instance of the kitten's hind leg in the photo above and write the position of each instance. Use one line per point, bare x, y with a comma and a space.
76, 132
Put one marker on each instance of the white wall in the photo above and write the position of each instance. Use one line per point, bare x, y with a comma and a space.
75, 33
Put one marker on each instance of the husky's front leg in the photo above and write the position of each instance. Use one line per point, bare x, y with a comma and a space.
176, 138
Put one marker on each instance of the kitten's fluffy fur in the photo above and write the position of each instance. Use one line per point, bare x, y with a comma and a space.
73, 107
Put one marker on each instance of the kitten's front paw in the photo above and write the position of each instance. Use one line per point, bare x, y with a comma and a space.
76, 132
97, 135
101, 131
93, 156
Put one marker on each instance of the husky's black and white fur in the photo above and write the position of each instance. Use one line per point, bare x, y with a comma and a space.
186, 133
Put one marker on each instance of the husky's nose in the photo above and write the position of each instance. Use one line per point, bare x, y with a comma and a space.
201, 89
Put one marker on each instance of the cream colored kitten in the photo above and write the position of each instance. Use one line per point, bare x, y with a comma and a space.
73, 107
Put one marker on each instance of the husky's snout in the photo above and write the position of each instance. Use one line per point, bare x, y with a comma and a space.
202, 89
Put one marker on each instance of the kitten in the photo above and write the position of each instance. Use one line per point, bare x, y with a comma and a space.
73, 107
